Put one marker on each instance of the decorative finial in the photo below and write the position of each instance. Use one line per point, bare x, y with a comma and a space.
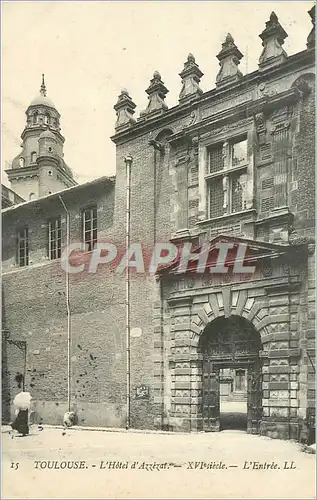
229, 60
125, 110
229, 38
43, 87
272, 37
156, 92
190, 76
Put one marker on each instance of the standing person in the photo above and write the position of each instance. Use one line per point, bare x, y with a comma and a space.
22, 403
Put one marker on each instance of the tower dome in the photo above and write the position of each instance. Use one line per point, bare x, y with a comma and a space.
41, 99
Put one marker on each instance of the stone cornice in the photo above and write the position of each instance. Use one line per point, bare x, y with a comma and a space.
41, 128
297, 61
22, 172
240, 112
32, 171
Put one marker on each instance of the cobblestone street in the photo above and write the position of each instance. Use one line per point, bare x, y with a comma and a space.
219, 465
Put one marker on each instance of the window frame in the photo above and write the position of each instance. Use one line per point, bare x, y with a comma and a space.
26, 249
54, 247
91, 241
228, 171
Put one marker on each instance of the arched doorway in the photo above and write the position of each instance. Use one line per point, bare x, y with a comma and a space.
229, 348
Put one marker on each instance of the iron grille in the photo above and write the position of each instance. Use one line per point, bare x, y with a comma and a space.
216, 161
216, 198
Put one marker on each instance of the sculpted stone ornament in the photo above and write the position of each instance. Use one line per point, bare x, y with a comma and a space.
229, 59
225, 186
192, 119
157, 93
190, 76
125, 109
260, 127
311, 36
265, 91
272, 40
303, 85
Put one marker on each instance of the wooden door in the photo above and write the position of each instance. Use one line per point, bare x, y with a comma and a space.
254, 398
210, 396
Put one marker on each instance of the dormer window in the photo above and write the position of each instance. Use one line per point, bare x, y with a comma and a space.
33, 157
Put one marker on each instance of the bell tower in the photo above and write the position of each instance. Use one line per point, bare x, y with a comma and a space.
39, 169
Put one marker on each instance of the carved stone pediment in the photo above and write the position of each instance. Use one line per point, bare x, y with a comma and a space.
254, 252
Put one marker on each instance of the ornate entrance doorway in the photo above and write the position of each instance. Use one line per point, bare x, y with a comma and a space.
232, 345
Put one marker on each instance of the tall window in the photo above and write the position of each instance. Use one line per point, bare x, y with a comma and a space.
47, 119
23, 247
227, 164
89, 220
54, 238
33, 157
35, 117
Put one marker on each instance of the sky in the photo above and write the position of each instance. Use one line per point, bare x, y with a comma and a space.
90, 50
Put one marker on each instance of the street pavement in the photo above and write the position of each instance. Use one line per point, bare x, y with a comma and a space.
132, 464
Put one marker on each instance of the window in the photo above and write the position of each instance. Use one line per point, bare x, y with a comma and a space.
47, 119
33, 157
89, 219
35, 117
32, 196
21, 162
54, 238
239, 151
225, 179
22, 247
50, 172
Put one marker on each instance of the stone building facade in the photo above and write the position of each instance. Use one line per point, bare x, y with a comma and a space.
232, 165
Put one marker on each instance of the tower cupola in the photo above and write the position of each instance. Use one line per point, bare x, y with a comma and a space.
39, 169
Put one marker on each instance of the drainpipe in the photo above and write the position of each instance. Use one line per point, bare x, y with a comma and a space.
128, 162
68, 309
157, 147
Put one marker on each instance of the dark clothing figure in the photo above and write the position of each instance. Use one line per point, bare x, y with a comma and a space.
21, 423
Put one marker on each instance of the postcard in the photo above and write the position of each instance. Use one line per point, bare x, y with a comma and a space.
158, 257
